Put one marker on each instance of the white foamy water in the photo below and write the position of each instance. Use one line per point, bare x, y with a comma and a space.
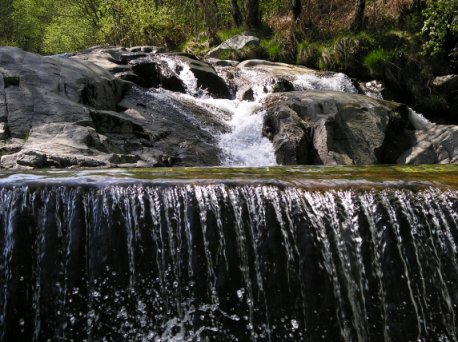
336, 82
419, 121
245, 145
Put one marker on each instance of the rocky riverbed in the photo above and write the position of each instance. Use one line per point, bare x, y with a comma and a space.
142, 107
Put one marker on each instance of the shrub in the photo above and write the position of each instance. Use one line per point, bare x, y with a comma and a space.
440, 21
375, 60
309, 54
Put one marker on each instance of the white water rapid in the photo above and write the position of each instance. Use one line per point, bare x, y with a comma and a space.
244, 144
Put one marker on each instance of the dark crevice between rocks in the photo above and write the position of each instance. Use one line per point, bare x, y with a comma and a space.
106, 122
399, 136
11, 81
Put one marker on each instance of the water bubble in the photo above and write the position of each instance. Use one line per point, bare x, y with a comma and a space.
294, 324
21, 322
95, 294
235, 318
240, 293
75, 291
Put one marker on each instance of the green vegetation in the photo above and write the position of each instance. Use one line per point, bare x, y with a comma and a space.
375, 59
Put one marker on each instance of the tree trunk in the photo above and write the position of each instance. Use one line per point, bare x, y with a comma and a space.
358, 21
418, 5
252, 19
236, 14
296, 7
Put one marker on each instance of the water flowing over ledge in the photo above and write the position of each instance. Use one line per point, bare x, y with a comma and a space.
265, 255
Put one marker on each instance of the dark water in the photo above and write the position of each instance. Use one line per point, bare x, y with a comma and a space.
233, 258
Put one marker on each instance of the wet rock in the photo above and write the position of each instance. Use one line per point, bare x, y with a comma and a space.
3, 131
246, 93
207, 78
147, 49
124, 159
78, 119
334, 128
221, 62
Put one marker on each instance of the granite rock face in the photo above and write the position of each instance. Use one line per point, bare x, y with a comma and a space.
434, 145
72, 112
335, 128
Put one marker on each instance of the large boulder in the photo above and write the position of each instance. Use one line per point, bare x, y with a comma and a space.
38, 90
234, 45
148, 68
335, 128
434, 145
70, 112
447, 87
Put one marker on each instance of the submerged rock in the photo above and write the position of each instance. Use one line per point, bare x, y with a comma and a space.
335, 128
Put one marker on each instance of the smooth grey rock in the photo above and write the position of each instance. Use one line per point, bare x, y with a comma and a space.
334, 128
238, 42
221, 62
435, 145
68, 113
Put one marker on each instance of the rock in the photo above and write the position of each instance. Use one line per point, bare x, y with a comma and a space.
238, 42
334, 128
221, 62
39, 97
147, 49
69, 112
3, 131
130, 76
275, 69
206, 77
446, 84
124, 158
265, 76
446, 87
177, 129
246, 93
435, 145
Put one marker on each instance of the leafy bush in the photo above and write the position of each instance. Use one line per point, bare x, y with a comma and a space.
440, 20
69, 32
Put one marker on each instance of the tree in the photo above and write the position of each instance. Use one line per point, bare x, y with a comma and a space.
358, 20
252, 20
236, 14
296, 8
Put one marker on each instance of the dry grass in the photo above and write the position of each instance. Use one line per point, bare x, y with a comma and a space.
331, 16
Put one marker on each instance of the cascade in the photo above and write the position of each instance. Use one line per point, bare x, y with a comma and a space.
245, 145
242, 255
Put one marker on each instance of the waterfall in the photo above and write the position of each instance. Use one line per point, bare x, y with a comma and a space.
245, 145
235, 260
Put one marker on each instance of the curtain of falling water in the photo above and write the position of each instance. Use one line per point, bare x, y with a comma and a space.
227, 262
